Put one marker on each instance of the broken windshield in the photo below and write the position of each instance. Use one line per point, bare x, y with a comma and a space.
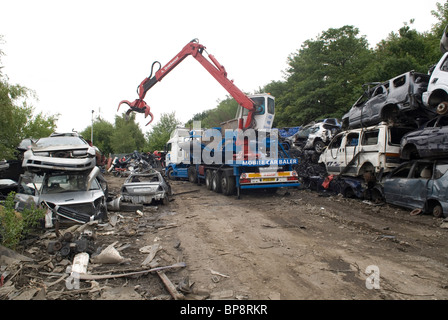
58, 141
66, 183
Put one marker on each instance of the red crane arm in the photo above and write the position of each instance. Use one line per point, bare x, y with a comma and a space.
214, 68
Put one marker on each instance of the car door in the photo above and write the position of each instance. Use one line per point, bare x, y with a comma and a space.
371, 111
438, 185
424, 140
440, 136
414, 189
331, 157
350, 148
394, 183
28, 190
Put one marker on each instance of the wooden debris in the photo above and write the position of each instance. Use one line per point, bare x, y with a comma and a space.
111, 276
170, 286
152, 253
218, 274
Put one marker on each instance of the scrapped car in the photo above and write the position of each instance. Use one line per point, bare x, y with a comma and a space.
398, 100
362, 151
74, 196
420, 185
144, 187
430, 141
436, 96
314, 136
332, 121
59, 152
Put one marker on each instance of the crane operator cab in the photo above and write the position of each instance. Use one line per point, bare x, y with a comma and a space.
264, 111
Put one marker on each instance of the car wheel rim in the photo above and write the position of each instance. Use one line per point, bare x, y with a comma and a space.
442, 108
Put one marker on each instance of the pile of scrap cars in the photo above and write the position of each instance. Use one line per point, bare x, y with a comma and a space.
392, 146
61, 174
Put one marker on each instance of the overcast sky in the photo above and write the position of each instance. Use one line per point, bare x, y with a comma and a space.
80, 56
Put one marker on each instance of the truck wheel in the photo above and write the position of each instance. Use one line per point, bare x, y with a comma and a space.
192, 176
170, 174
442, 108
228, 184
216, 181
208, 179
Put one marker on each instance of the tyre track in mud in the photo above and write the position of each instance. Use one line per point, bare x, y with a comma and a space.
299, 244
270, 248
410, 250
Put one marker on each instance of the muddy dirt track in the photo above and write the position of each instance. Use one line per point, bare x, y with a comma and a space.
291, 245
300, 244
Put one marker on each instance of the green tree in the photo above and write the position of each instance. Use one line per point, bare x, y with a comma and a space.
402, 52
160, 133
323, 77
224, 111
15, 226
441, 14
102, 135
433, 37
127, 135
18, 120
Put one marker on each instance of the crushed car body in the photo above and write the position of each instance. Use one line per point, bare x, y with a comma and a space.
430, 141
144, 187
362, 151
436, 97
59, 152
419, 184
398, 100
314, 136
69, 195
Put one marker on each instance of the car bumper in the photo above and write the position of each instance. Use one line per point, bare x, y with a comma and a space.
37, 163
143, 198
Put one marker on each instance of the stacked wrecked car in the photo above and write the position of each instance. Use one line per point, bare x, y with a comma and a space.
395, 142
61, 175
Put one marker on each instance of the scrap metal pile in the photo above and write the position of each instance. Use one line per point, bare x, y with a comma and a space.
84, 224
136, 162
97, 261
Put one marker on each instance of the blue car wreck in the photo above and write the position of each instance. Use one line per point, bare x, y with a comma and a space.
419, 185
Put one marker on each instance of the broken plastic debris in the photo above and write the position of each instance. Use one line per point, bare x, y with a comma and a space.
80, 262
109, 255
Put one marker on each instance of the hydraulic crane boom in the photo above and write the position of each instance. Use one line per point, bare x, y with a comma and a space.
217, 70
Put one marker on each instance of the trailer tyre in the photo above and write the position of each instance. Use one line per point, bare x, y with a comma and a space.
228, 184
216, 181
192, 176
208, 179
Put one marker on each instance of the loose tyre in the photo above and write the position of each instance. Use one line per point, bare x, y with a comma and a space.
442, 108
437, 211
